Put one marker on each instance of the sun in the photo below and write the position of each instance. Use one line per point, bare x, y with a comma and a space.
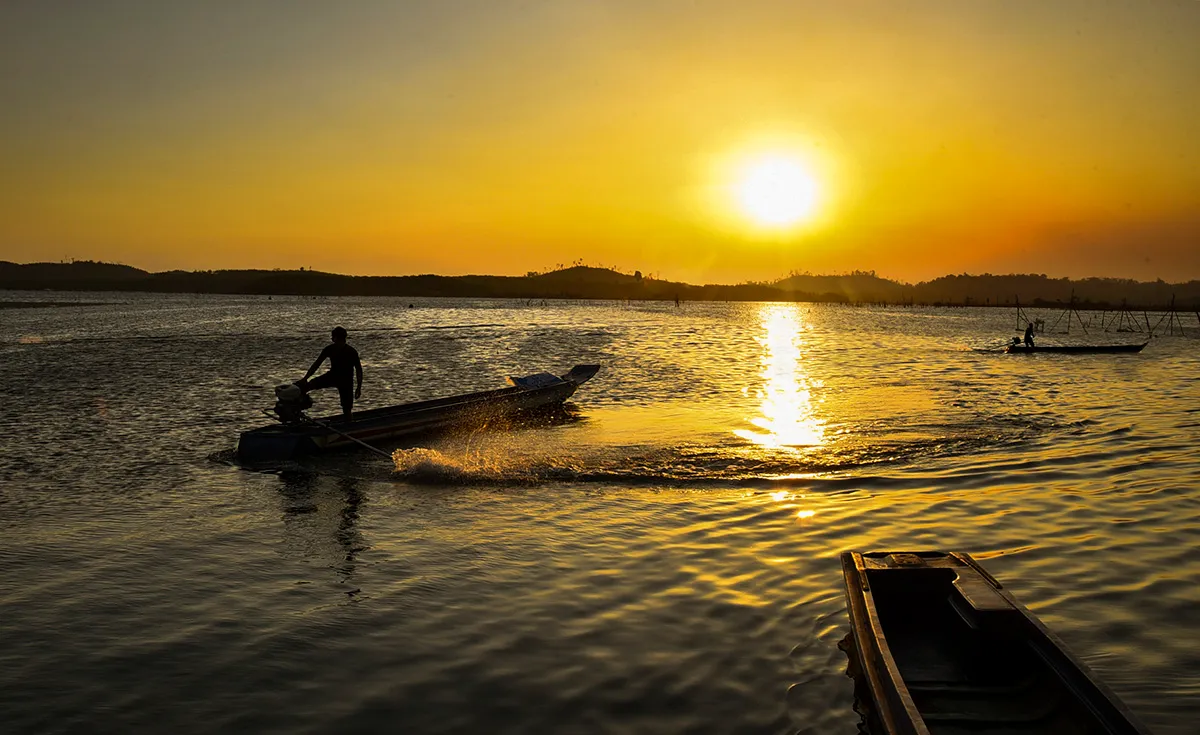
776, 190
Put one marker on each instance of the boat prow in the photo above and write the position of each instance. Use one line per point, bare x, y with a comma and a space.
576, 376
939, 645
581, 374
526, 395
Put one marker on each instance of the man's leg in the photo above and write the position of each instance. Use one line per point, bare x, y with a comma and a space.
328, 380
346, 393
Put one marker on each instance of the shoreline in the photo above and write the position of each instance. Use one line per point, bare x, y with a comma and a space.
785, 298
591, 283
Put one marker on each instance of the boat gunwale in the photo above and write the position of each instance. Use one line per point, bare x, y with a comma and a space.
367, 419
330, 439
1059, 649
861, 596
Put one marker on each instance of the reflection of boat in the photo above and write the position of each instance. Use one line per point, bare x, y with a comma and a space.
941, 646
320, 521
1074, 349
306, 436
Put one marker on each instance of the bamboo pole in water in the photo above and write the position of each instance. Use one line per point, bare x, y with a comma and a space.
356, 440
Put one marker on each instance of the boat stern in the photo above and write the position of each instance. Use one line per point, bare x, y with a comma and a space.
270, 445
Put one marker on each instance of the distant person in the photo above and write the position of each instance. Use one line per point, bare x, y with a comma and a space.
344, 367
1029, 336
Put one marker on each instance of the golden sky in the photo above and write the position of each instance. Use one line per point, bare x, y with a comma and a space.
493, 136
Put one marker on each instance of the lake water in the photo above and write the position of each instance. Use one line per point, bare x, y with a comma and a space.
664, 560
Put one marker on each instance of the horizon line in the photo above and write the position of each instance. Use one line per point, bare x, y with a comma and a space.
611, 269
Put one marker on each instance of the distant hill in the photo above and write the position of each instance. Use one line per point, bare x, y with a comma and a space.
586, 282
853, 287
590, 275
579, 282
990, 290
56, 274
1040, 289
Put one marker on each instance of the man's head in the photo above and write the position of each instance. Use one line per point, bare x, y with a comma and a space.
339, 334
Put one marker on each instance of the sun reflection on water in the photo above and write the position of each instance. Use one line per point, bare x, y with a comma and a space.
785, 397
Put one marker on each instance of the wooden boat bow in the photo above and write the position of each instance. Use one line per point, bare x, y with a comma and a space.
940, 646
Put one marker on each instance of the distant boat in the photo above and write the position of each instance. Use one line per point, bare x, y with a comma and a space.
1016, 349
939, 646
299, 435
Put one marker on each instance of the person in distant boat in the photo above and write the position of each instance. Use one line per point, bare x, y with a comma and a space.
345, 370
1029, 336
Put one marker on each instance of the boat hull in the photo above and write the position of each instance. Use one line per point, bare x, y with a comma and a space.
282, 442
1074, 349
938, 645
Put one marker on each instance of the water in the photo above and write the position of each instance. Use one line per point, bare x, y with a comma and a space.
664, 559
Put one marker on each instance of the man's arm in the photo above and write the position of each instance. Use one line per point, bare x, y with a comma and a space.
320, 359
358, 374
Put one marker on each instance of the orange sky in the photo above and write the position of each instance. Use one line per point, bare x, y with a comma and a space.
501, 137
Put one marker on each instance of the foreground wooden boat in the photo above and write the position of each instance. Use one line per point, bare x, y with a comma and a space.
939, 646
309, 436
1074, 349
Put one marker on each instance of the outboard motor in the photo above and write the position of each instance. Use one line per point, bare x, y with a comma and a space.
291, 402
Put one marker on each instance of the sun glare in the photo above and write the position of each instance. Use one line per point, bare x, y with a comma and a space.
788, 417
776, 191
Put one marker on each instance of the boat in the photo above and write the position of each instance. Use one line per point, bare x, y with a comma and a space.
1016, 349
298, 435
939, 646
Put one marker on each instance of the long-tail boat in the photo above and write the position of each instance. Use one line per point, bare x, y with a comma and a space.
1016, 349
298, 435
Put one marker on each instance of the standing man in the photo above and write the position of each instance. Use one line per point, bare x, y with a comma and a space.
1029, 336
344, 367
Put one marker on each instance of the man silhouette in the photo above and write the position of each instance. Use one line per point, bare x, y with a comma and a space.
344, 367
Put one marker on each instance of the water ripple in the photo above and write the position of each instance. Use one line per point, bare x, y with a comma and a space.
663, 560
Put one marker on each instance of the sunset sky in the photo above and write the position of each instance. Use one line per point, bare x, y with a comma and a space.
484, 136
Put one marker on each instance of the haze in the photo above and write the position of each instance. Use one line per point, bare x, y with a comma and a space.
501, 137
